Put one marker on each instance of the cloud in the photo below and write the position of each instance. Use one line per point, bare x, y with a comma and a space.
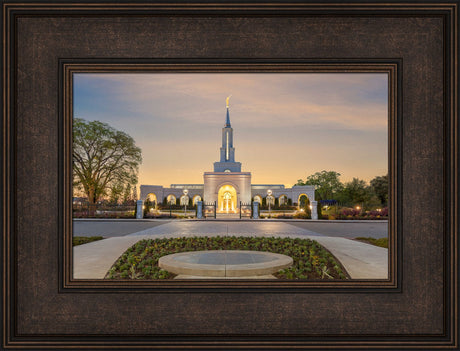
351, 101
303, 121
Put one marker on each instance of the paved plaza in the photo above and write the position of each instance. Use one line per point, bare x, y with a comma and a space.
110, 228
362, 261
344, 229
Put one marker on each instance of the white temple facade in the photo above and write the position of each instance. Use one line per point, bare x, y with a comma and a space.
226, 185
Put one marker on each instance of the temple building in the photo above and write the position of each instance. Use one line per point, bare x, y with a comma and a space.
226, 184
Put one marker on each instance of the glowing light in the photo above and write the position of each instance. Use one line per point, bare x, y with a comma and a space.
227, 99
227, 199
358, 208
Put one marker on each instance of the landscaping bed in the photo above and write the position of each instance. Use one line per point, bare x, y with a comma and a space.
80, 240
104, 215
382, 242
311, 260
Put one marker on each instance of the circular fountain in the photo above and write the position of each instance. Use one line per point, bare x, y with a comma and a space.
225, 263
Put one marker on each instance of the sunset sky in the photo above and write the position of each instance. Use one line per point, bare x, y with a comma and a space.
285, 126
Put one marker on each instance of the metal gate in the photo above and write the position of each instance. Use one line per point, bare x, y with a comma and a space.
245, 210
209, 209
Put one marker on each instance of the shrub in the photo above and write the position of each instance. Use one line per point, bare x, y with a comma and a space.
351, 213
302, 215
311, 260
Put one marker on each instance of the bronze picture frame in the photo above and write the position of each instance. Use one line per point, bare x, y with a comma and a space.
46, 42
71, 67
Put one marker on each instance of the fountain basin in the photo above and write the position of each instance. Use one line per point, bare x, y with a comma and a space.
225, 263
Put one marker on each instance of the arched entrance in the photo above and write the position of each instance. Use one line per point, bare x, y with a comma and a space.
227, 199
171, 199
270, 200
282, 200
184, 200
152, 200
303, 201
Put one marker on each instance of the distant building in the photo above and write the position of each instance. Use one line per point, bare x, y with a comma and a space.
227, 184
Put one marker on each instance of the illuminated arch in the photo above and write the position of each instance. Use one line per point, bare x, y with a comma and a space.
226, 182
171, 199
227, 199
184, 200
283, 199
301, 201
270, 199
152, 197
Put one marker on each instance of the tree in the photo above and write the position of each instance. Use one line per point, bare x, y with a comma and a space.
116, 189
127, 194
102, 158
327, 184
356, 191
380, 187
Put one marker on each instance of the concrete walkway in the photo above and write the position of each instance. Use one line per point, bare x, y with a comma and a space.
110, 227
120, 227
362, 261
347, 229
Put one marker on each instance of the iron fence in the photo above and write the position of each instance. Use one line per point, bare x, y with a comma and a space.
245, 210
210, 209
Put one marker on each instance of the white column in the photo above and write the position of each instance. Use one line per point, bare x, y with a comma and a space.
255, 210
199, 209
140, 210
314, 209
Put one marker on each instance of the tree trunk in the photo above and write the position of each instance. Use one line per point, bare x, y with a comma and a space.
91, 202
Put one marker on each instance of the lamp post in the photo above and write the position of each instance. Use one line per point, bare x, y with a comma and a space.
186, 201
269, 193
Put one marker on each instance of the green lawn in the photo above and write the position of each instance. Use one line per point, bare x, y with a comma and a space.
382, 242
80, 240
311, 260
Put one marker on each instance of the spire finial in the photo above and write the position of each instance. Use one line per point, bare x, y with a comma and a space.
227, 99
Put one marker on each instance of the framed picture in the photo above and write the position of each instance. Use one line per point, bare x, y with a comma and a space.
52, 49
163, 82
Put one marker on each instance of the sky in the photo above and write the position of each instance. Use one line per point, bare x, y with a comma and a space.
286, 126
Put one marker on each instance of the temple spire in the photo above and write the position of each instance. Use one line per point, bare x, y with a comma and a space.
227, 151
227, 122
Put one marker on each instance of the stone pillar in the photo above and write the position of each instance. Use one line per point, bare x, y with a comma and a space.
199, 209
314, 209
255, 210
140, 210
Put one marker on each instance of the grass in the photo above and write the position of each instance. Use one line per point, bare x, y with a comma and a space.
382, 242
311, 260
80, 240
